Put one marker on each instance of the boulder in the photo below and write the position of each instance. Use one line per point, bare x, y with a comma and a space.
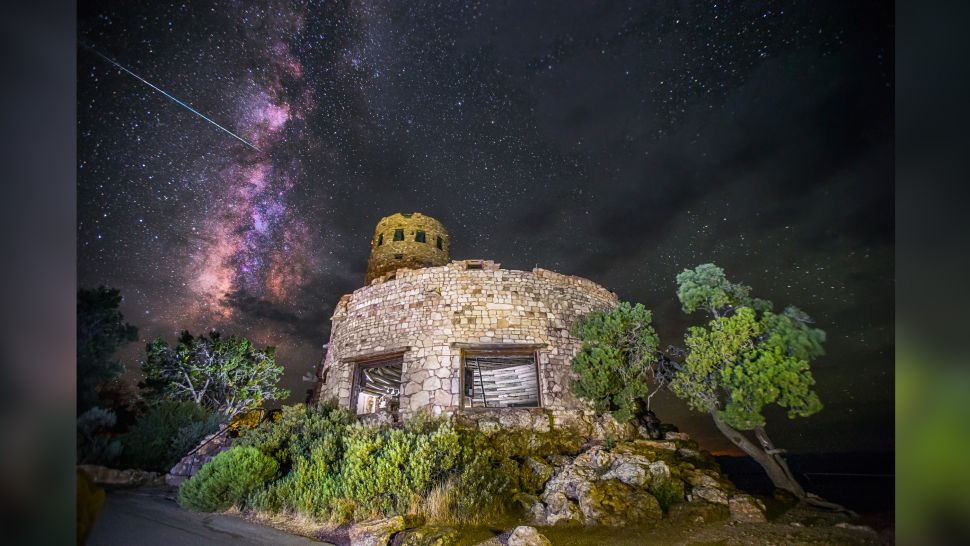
527, 536
614, 503
559, 510
710, 494
697, 512
430, 536
379, 532
747, 509
534, 474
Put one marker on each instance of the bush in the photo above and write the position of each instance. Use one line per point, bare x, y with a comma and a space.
298, 431
339, 471
163, 435
612, 367
227, 480
94, 446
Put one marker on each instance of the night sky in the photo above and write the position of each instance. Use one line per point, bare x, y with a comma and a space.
622, 143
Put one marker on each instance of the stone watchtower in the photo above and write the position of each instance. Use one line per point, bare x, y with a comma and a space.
409, 241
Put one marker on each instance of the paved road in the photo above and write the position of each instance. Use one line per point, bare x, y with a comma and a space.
150, 517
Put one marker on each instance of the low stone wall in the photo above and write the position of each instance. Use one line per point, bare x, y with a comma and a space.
209, 447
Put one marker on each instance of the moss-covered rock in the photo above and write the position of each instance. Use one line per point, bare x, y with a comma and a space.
533, 475
379, 532
430, 536
698, 511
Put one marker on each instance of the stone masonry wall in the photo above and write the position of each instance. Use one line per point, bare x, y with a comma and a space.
430, 314
388, 255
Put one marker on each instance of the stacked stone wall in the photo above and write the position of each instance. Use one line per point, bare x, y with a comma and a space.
388, 255
430, 315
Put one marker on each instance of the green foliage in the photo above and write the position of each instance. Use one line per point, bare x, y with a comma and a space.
748, 356
166, 433
386, 470
339, 470
227, 480
101, 331
619, 348
706, 287
225, 374
94, 446
299, 431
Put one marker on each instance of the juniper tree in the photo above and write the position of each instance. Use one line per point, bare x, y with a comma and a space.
225, 374
616, 359
747, 357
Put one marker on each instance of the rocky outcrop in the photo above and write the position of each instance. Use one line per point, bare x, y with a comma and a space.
633, 482
379, 532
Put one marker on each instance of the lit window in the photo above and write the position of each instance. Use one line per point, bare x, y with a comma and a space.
441, 243
500, 380
420, 237
378, 386
398, 234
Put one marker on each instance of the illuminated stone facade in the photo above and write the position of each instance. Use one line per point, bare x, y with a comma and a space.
423, 324
409, 241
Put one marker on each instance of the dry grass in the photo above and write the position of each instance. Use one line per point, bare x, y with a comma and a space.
291, 522
439, 506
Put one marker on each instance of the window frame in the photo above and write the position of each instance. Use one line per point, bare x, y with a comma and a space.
396, 232
465, 352
376, 361
420, 236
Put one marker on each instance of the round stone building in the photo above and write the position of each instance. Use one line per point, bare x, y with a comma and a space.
427, 333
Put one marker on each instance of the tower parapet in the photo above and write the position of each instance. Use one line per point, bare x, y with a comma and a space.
409, 241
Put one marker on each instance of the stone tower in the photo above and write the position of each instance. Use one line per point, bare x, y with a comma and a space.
409, 241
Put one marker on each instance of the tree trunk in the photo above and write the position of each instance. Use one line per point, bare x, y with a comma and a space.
770, 459
779, 475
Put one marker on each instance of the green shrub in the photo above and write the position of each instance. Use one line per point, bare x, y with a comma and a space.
164, 434
94, 446
299, 431
227, 480
338, 471
612, 367
387, 470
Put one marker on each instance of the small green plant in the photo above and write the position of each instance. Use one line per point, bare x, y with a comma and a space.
227, 480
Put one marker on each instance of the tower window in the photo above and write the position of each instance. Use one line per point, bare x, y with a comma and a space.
399, 256
420, 237
398, 234
380, 239
440, 243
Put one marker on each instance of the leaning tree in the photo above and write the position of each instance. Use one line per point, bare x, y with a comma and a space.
747, 357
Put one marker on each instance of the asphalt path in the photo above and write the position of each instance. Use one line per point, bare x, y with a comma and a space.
150, 517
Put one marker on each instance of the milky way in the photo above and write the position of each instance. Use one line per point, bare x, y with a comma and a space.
622, 142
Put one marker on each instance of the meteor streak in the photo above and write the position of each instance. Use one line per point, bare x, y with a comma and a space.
177, 101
